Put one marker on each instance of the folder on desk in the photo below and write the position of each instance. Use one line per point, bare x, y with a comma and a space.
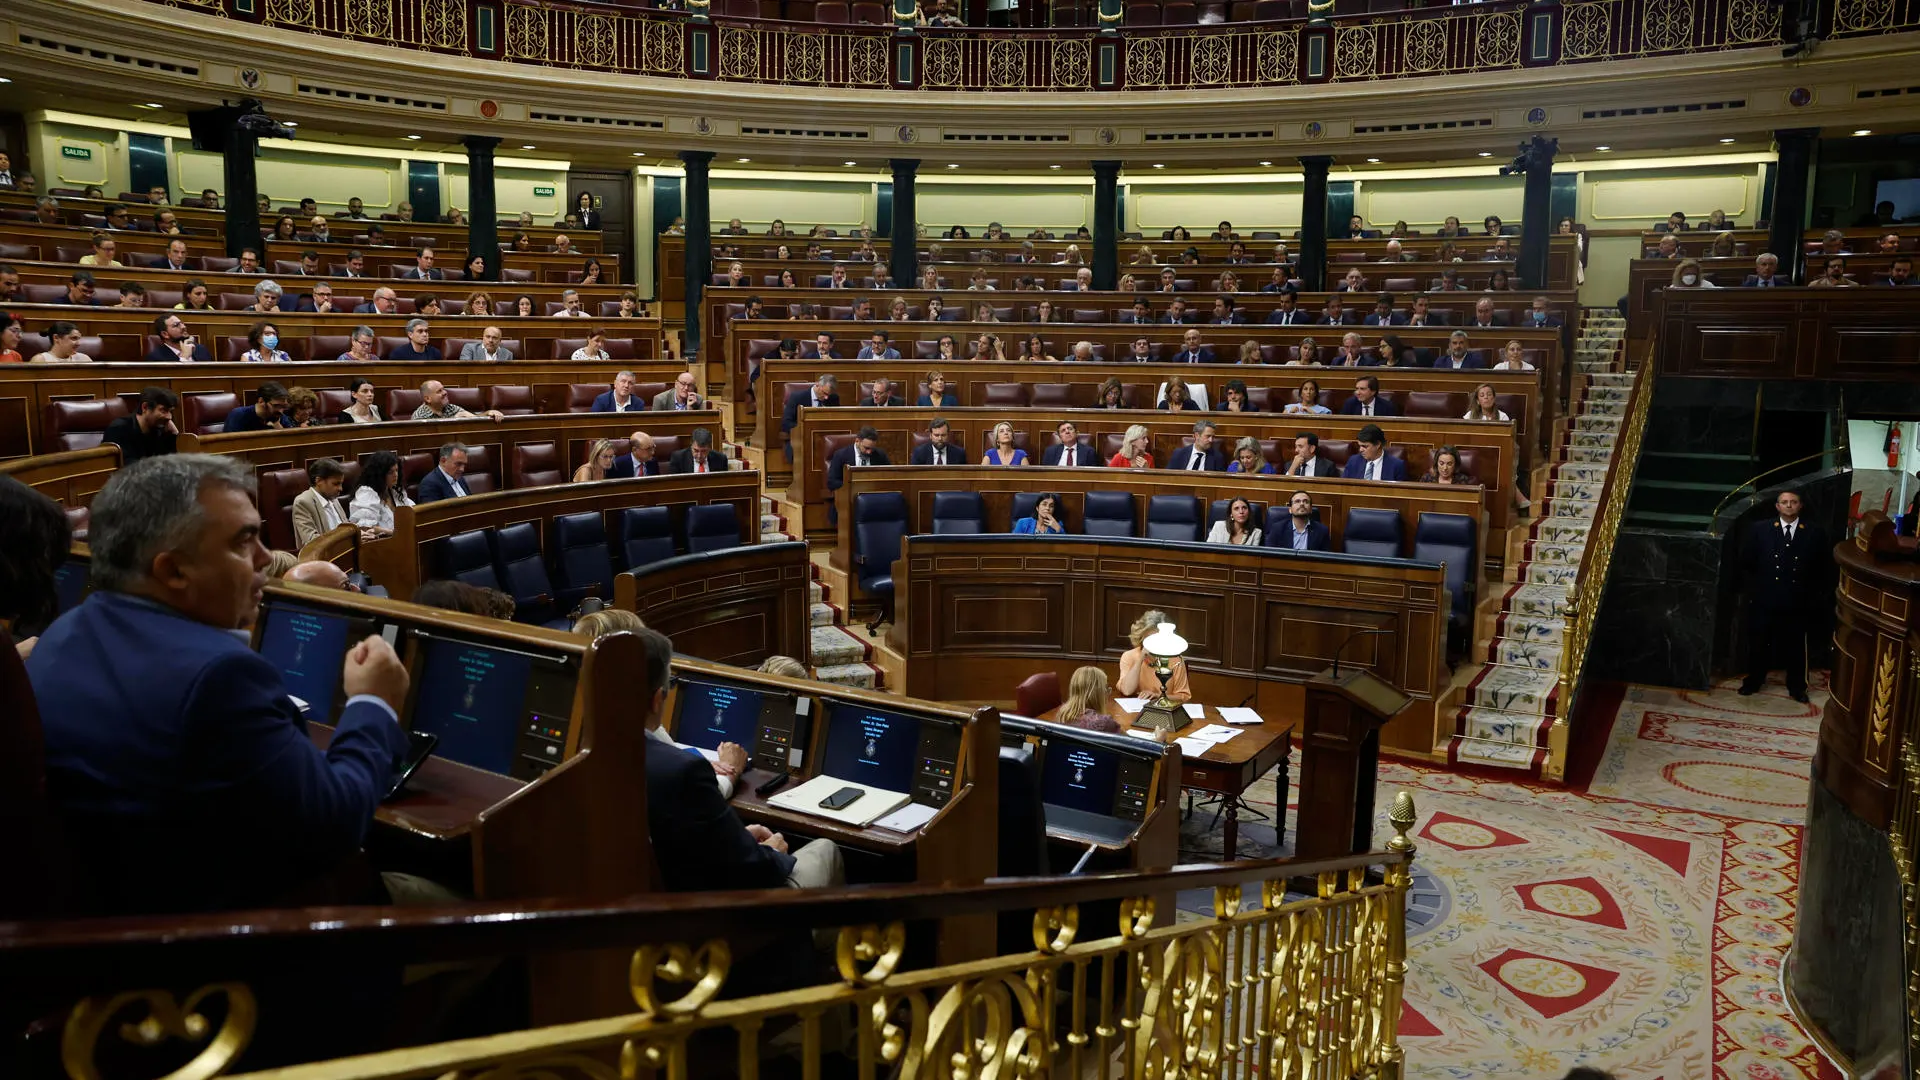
862, 812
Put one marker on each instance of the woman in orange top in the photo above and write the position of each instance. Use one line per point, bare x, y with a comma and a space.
9, 340
1137, 675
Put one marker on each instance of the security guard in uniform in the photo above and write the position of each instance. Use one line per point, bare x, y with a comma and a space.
1783, 561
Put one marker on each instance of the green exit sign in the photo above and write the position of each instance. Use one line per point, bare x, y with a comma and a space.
79, 153
543, 191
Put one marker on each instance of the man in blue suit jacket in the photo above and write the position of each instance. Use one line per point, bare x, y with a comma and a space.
1067, 435
1373, 462
1383, 313
1366, 399
1303, 532
639, 446
1194, 352
822, 394
180, 767
448, 479
621, 398
1765, 273
1200, 454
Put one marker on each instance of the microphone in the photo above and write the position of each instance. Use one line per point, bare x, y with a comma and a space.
1245, 701
1349, 641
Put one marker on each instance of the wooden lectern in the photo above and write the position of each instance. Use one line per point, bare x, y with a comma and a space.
1339, 757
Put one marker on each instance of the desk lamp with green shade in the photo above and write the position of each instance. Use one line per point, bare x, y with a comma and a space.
1162, 648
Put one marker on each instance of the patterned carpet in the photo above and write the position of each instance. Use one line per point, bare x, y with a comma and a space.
1637, 927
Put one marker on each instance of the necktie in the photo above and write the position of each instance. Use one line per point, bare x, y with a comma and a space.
700, 466
1789, 533
1198, 459
1067, 455
939, 455
1366, 409
1373, 469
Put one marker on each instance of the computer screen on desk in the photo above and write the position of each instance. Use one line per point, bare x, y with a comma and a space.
309, 647
494, 708
892, 751
1093, 779
707, 713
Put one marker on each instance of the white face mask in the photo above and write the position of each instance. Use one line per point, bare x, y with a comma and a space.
1689, 279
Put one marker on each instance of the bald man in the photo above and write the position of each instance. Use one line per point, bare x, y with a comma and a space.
321, 574
436, 405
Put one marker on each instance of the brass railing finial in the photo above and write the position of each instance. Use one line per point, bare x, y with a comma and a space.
1401, 817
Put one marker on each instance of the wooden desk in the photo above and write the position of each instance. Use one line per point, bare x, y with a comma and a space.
1229, 768
1648, 279
973, 611
1869, 335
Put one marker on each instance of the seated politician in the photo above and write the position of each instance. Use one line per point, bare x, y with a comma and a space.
821, 394
1068, 450
698, 456
637, 461
1305, 533
1373, 462
178, 765
1137, 674
940, 448
863, 451
1086, 697
1045, 519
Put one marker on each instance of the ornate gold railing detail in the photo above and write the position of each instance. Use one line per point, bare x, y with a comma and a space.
1275, 982
1903, 834
1584, 592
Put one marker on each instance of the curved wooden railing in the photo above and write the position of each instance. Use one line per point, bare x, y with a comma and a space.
629, 37
1298, 972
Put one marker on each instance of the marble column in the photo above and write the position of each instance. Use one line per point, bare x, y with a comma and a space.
483, 212
1313, 225
699, 243
904, 260
1106, 225
1792, 188
1536, 212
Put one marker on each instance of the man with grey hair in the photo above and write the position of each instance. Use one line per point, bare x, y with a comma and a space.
621, 397
179, 764
821, 394
449, 480
435, 404
1082, 352
418, 348
570, 305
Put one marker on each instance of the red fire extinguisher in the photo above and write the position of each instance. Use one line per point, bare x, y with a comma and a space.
1893, 445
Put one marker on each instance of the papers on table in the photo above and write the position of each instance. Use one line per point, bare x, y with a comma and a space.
1195, 712
1143, 733
907, 819
1131, 704
1194, 747
1214, 733
1234, 714
875, 804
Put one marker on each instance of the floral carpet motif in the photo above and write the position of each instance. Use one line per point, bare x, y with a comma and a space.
1637, 927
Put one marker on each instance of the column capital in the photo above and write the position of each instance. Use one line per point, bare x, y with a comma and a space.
1106, 166
696, 157
1312, 162
479, 142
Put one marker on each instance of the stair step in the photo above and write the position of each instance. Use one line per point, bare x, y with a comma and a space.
774, 538
1547, 553
862, 676
821, 613
1497, 740
766, 504
1521, 691
1614, 407
1589, 454
1578, 470
1560, 531
1615, 378
831, 645
772, 523
816, 592
1597, 421
1526, 654
1531, 599
1563, 489
1545, 629
1559, 576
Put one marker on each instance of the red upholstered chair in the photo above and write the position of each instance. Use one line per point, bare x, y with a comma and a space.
580, 396
1401, 284
1177, 13
535, 464
278, 489
205, 411
1006, 394
1058, 395
512, 274
65, 254
832, 11
1336, 451
1037, 695
29, 252
77, 424
1138, 396
647, 391
44, 294
332, 403
328, 346
470, 398
1260, 399
664, 447
506, 309
1469, 464
414, 466
384, 346
218, 264
234, 301
1436, 403
483, 471
401, 403
829, 445
512, 400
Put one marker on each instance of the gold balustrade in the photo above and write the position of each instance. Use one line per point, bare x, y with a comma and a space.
1293, 985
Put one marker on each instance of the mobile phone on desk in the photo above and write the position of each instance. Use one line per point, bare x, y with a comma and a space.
420, 746
842, 799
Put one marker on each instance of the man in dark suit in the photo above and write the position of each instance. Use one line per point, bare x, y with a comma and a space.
1485, 317
319, 301
880, 395
1899, 274
1306, 459
700, 457
820, 394
1457, 357
940, 447
640, 450
1538, 316
182, 732
1766, 273
1366, 399
1305, 532
700, 844
1193, 352
1176, 312
621, 398
423, 268
1422, 315
1067, 450
1288, 312
175, 344
448, 481
1784, 562
1141, 312
1373, 462
863, 450
1335, 313
1224, 313
1383, 313
1200, 454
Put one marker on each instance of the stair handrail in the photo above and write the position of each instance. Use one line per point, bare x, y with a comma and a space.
1584, 591
1713, 520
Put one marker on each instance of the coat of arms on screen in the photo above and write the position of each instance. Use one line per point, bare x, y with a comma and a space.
873, 747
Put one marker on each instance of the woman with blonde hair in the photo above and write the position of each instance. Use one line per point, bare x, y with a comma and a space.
785, 667
599, 460
1137, 674
1136, 449
598, 624
1144, 256
1086, 696
1002, 451
1688, 275
1722, 247
279, 562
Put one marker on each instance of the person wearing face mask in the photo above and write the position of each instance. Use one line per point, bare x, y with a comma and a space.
1688, 276
264, 339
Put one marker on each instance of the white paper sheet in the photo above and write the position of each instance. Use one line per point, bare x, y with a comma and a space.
875, 804
907, 819
1130, 704
1235, 714
1143, 733
1194, 747
1195, 712
1214, 733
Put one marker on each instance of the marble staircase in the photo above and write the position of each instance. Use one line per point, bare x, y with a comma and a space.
1513, 701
